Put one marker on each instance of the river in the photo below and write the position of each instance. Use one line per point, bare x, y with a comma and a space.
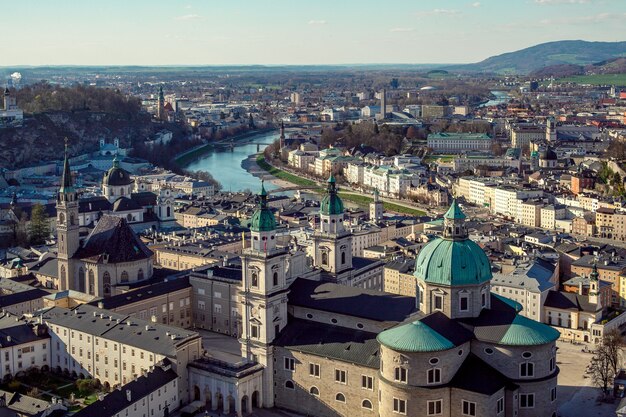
224, 163
501, 97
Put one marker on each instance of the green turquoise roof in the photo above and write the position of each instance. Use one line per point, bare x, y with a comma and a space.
454, 212
331, 203
263, 219
414, 337
453, 262
526, 332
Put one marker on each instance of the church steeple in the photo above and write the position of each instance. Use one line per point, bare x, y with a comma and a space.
66, 176
454, 223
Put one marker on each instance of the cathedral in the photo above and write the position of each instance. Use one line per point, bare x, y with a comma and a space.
329, 349
112, 256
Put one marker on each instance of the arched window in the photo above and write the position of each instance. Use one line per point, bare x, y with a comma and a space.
72, 219
168, 210
275, 278
92, 283
106, 284
343, 258
124, 276
63, 274
255, 279
314, 391
324, 258
122, 191
81, 279
340, 397
61, 218
289, 385
366, 404
129, 217
140, 275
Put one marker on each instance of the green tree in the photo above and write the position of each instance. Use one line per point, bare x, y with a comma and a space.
39, 229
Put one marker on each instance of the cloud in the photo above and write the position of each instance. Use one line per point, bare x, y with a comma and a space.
476, 4
317, 22
438, 12
188, 17
596, 18
188, 6
562, 1
401, 30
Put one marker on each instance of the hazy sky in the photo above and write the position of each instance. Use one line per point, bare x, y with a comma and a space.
214, 32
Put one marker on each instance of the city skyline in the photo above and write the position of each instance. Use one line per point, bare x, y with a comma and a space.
277, 33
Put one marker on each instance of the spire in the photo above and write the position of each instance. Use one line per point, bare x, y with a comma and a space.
161, 93
454, 212
116, 162
376, 195
66, 178
594, 272
263, 219
331, 203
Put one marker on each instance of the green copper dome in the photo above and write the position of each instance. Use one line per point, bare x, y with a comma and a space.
453, 259
331, 203
522, 331
263, 219
414, 337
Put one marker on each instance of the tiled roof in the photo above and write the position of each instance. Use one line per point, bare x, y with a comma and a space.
113, 237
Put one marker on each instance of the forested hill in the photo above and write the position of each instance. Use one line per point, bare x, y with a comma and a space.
526, 60
83, 114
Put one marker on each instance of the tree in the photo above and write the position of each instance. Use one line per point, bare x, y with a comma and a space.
39, 229
606, 360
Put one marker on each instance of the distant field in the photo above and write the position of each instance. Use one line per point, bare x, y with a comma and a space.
598, 79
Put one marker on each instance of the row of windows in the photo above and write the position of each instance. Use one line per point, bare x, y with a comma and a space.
433, 376
341, 376
339, 397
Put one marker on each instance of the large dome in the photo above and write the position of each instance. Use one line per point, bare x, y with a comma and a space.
116, 175
453, 259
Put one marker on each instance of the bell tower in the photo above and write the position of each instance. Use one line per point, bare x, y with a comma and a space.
454, 223
376, 208
67, 226
264, 291
332, 242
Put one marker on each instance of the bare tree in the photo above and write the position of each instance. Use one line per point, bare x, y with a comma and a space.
606, 360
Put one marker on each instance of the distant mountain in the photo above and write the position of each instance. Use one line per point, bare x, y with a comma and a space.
531, 59
611, 66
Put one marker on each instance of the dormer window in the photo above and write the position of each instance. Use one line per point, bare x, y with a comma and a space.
438, 302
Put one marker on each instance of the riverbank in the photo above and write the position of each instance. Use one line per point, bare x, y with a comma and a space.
353, 197
197, 151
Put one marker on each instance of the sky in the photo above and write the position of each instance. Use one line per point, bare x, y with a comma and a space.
274, 32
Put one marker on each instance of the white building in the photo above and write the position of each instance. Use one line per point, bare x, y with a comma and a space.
459, 142
24, 345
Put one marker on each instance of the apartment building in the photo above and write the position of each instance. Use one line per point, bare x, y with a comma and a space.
523, 134
459, 142
117, 348
25, 345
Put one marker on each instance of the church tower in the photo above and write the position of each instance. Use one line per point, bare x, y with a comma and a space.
551, 130
264, 291
67, 226
332, 242
282, 135
376, 208
161, 105
593, 286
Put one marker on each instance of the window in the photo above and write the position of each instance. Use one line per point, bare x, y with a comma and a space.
500, 405
552, 364
526, 400
340, 376
255, 279
527, 369
438, 302
217, 308
314, 369
434, 408
366, 404
483, 299
254, 331
314, 391
434, 376
527, 355
468, 408
340, 397
553, 394
289, 385
200, 305
124, 276
401, 374
433, 361
464, 302
275, 279
367, 382
399, 406
489, 351
290, 364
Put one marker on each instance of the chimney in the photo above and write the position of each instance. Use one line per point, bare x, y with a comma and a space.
128, 395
